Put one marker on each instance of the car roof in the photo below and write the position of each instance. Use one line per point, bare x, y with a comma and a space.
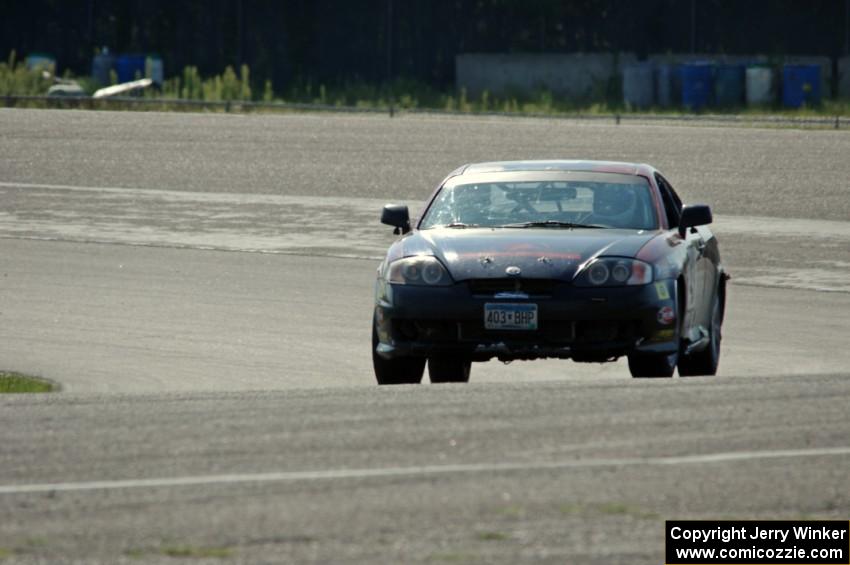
560, 165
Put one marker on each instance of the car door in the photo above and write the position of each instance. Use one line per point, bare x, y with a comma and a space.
695, 263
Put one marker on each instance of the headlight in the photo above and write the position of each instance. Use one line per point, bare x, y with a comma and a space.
422, 270
614, 271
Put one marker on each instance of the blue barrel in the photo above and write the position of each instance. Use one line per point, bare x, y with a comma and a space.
800, 85
697, 85
729, 85
638, 86
41, 61
129, 66
668, 85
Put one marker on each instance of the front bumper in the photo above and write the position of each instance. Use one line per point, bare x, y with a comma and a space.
583, 324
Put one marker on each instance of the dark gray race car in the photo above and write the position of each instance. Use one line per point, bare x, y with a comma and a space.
580, 260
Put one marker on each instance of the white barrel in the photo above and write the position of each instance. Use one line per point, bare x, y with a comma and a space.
154, 70
638, 86
760, 86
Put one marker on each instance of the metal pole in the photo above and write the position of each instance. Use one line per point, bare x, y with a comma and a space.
240, 27
91, 23
847, 27
390, 54
693, 26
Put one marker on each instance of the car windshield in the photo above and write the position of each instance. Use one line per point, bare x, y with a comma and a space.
604, 200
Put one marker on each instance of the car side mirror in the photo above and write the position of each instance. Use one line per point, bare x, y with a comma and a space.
398, 216
694, 215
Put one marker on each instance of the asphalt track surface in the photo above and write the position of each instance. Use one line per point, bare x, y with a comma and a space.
200, 285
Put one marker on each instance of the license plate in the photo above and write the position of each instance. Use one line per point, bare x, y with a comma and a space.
510, 316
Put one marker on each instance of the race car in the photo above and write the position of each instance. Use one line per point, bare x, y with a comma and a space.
522, 260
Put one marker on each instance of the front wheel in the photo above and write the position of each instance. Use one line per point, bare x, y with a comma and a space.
449, 369
400, 371
647, 366
704, 363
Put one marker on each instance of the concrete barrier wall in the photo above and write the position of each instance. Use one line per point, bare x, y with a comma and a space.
580, 76
586, 76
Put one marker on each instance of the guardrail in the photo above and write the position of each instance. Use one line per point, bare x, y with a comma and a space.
134, 102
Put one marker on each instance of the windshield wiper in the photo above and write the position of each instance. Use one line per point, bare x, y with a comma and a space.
550, 224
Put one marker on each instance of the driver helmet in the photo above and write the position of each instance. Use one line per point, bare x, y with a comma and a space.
614, 202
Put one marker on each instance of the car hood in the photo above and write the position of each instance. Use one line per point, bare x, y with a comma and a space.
476, 253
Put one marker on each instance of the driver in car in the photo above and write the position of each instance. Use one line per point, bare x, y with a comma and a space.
615, 205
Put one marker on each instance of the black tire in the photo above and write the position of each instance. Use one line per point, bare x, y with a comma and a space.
399, 371
704, 363
648, 366
448, 369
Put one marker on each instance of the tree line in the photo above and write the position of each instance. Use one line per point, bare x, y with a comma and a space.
337, 41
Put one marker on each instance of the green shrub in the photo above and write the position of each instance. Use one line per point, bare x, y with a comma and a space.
16, 79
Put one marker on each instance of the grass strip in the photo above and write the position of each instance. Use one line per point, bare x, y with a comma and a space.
14, 383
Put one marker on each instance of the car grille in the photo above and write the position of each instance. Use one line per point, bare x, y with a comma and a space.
583, 332
595, 331
580, 332
426, 330
532, 287
551, 331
